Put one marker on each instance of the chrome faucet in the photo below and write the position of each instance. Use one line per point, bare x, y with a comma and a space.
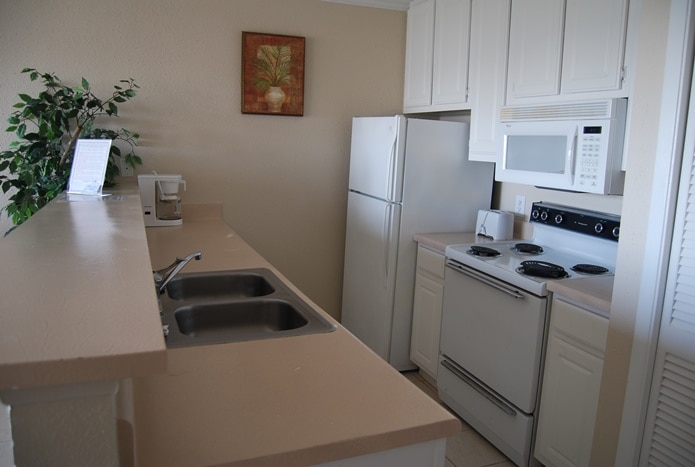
163, 276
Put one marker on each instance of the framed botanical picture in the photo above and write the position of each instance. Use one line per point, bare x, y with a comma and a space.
272, 74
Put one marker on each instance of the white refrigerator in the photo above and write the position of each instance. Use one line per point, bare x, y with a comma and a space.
407, 176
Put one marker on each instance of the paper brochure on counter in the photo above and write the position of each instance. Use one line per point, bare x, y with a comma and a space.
89, 167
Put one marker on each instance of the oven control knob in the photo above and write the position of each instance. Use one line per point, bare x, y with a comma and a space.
535, 213
559, 219
616, 232
544, 216
598, 228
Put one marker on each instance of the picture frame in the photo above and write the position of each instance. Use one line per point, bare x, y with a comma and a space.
272, 74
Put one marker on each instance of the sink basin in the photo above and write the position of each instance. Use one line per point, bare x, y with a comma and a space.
204, 308
231, 284
248, 316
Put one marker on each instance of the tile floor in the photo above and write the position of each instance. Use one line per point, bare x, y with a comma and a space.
468, 448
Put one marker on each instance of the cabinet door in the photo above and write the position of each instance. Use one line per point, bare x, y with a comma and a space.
451, 47
427, 310
419, 46
571, 385
568, 405
535, 48
594, 45
427, 318
488, 75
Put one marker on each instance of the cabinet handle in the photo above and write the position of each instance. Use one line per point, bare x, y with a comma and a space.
482, 391
458, 268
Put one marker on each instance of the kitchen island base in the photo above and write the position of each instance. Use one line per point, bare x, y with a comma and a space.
73, 424
431, 453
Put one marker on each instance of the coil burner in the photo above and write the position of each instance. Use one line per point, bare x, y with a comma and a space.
528, 248
591, 269
483, 251
542, 269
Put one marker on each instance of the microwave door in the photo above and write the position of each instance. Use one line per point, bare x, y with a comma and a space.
538, 153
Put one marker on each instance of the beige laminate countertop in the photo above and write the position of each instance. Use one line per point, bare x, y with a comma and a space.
439, 241
77, 296
288, 401
593, 291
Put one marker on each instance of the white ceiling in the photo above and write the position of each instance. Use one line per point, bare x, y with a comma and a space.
388, 4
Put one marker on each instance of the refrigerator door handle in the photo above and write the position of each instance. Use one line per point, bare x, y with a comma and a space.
392, 168
386, 241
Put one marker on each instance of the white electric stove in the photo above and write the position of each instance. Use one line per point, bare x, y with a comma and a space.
567, 242
495, 318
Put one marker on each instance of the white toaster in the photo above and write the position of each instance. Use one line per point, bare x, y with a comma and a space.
494, 224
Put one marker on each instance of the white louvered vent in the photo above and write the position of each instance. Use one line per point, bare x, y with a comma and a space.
683, 312
669, 437
573, 110
673, 439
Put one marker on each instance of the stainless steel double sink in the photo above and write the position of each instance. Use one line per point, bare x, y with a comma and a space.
216, 307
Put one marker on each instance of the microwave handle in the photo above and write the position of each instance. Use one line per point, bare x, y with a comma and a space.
573, 154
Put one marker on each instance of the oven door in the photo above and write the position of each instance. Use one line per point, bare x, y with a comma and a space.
495, 332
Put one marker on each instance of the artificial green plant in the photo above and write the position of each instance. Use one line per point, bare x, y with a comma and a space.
36, 167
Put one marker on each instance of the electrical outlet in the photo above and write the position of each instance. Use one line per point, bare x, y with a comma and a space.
520, 205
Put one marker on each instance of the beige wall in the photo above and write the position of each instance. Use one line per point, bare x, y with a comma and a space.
282, 180
506, 197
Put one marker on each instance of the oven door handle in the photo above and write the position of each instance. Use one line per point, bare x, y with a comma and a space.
468, 380
458, 268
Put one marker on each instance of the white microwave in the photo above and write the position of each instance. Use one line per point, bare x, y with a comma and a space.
575, 146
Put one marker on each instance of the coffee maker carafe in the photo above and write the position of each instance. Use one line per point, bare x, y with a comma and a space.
160, 198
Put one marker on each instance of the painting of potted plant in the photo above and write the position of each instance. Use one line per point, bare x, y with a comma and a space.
272, 71
272, 74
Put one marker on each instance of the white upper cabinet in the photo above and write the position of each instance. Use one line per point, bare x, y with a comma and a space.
487, 75
594, 48
436, 60
535, 48
419, 55
452, 19
565, 47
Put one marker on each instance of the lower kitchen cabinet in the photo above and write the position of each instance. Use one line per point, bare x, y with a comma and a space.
427, 310
571, 384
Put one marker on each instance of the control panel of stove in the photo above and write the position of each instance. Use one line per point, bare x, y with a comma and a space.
587, 222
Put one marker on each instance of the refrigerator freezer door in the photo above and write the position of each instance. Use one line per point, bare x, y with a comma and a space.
370, 263
376, 156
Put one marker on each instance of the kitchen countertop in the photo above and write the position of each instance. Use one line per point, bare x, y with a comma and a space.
77, 301
439, 241
288, 401
593, 291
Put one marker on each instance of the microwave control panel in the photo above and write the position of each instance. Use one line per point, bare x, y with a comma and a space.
591, 144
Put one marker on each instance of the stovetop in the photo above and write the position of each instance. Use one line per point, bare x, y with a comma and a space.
564, 237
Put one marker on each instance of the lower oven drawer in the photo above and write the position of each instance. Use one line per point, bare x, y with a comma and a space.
510, 433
